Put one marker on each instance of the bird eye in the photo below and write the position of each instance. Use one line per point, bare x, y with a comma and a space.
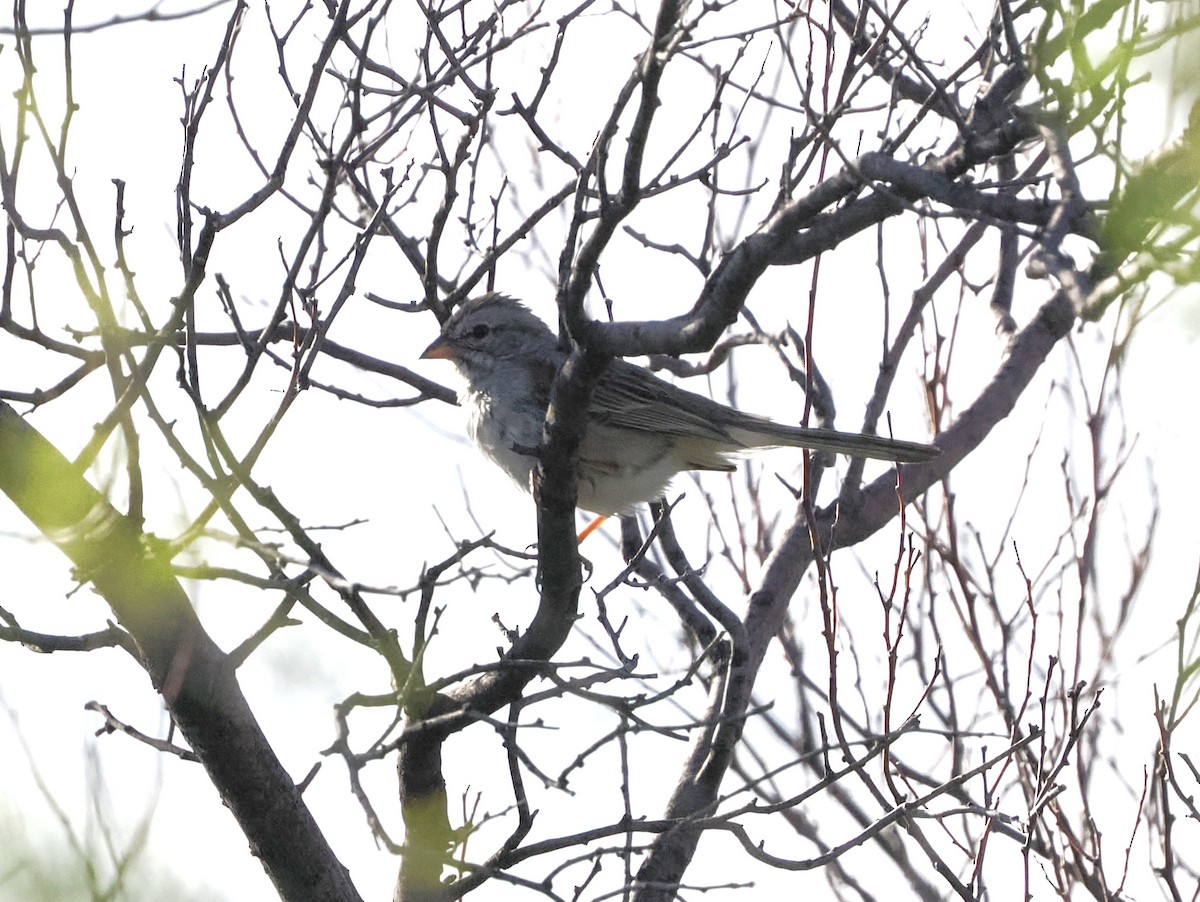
480, 331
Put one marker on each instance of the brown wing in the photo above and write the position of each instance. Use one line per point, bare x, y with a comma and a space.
629, 397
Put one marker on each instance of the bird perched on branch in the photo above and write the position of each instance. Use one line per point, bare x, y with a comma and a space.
641, 431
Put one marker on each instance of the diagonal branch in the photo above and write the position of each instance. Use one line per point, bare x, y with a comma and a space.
196, 679
699, 786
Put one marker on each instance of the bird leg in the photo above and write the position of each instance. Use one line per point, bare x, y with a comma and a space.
591, 528
534, 490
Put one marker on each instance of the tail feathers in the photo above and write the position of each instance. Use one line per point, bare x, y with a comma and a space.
851, 444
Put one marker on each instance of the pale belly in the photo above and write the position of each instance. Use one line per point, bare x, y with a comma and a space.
618, 469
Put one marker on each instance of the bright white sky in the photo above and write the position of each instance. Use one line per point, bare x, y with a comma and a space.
403, 470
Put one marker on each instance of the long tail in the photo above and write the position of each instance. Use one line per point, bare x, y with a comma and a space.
848, 443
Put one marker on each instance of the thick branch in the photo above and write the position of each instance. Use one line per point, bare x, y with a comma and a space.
196, 679
698, 788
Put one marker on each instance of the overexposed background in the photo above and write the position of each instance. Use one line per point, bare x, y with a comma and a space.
405, 473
